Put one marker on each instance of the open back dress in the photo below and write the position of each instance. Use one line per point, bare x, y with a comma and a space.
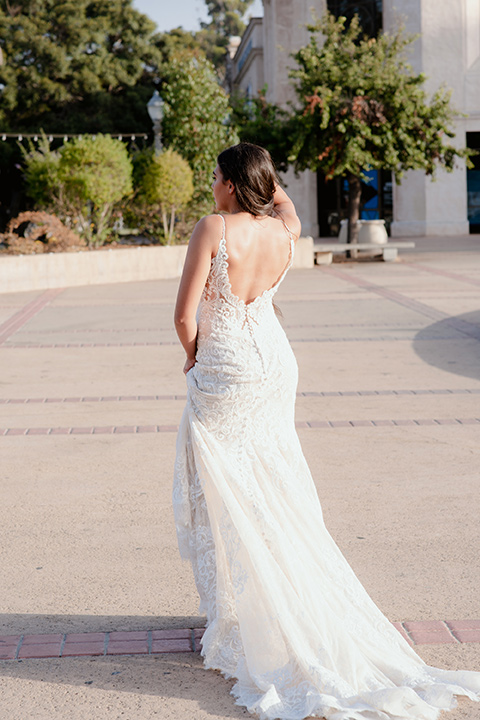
286, 615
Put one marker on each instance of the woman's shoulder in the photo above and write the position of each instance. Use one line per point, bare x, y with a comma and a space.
210, 222
207, 234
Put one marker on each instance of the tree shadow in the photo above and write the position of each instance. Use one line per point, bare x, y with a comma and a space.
175, 676
30, 624
452, 344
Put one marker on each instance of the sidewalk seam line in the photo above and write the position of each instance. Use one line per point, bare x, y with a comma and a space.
20, 643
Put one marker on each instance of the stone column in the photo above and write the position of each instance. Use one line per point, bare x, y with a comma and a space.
422, 206
284, 33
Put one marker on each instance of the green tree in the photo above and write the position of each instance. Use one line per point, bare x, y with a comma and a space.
76, 66
41, 172
263, 123
226, 20
362, 106
168, 183
86, 178
196, 121
176, 41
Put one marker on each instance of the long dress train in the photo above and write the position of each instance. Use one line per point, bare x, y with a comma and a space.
286, 615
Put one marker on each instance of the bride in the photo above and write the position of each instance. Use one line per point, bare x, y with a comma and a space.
286, 615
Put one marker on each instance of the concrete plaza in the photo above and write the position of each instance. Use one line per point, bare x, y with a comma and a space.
91, 393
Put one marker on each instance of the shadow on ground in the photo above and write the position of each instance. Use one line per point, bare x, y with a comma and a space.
169, 676
30, 624
457, 352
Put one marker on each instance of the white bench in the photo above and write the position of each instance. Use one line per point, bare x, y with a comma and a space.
323, 250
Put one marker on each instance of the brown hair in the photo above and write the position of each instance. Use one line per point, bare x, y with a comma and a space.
251, 170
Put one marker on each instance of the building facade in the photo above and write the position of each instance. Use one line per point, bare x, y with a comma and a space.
447, 51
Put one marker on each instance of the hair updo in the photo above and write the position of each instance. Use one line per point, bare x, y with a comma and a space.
252, 172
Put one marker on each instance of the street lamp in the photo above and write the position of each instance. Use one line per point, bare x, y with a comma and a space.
155, 110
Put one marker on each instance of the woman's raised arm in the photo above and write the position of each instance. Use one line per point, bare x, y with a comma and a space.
201, 248
284, 207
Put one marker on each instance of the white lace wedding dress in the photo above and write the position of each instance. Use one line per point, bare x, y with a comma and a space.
286, 615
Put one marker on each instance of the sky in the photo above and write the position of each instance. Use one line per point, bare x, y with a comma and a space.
169, 14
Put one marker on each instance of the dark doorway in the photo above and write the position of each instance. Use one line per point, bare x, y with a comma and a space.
368, 11
473, 184
332, 196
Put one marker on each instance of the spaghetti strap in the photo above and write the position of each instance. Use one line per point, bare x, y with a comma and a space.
289, 232
222, 241
223, 225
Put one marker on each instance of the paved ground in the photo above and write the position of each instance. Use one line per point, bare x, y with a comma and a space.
91, 393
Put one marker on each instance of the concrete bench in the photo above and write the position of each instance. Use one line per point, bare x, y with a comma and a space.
323, 250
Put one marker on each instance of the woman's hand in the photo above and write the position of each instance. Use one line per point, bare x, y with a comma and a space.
189, 363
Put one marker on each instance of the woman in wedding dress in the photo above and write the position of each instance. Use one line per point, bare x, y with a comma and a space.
286, 615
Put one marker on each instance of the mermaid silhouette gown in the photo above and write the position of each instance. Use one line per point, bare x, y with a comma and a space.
286, 615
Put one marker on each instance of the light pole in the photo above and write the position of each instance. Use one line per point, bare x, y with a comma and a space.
155, 110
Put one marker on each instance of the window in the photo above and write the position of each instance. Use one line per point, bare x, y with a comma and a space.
369, 12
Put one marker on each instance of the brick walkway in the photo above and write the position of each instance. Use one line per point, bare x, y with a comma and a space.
151, 642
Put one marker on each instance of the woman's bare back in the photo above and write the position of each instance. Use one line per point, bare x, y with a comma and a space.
258, 253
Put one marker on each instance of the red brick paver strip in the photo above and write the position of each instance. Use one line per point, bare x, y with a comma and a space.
128, 643
428, 632
89, 644
147, 642
133, 647
139, 429
444, 273
465, 630
178, 645
10, 326
40, 646
8, 646
319, 394
463, 326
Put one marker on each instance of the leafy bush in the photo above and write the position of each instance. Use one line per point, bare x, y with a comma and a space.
197, 120
81, 183
167, 183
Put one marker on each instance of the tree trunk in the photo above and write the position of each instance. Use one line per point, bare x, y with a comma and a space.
354, 196
165, 223
102, 224
172, 224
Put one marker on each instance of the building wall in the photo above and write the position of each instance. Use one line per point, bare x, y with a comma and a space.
283, 32
248, 63
447, 51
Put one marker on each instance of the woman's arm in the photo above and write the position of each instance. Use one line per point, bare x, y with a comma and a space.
284, 207
201, 248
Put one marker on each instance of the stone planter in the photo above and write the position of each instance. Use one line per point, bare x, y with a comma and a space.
19, 273
369, 231
97, 267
